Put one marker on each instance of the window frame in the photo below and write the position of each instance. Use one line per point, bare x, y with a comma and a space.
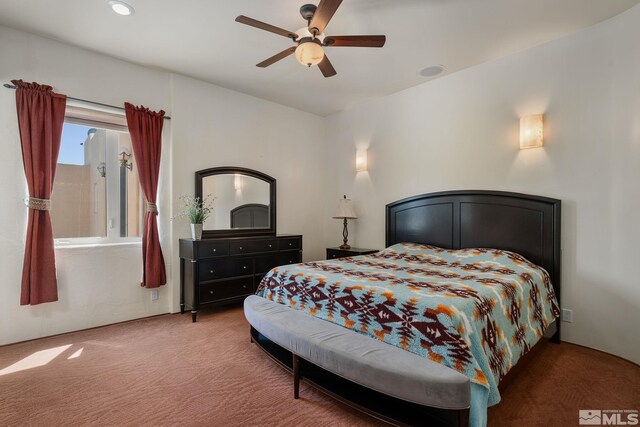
109, 119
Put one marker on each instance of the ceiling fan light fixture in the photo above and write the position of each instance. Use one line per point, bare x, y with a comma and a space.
309, 53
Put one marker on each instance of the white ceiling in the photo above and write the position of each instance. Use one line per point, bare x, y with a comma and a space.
200, 38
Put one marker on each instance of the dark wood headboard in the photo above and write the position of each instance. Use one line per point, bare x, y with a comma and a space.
528, 225
251, 215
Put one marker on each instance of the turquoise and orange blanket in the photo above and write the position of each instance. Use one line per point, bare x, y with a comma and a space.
474, 310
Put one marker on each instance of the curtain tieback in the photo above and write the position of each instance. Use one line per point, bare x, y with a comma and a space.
152, 207
39, 204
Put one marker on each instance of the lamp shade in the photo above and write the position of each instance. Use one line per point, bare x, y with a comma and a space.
345, 209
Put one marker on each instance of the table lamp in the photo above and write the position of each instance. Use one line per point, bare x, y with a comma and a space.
345, 211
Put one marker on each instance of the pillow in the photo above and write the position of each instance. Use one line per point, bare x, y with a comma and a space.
412, 248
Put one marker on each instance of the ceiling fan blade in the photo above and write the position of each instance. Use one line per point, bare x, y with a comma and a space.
323, 15
326, 67
357, 41
277, 57
264, 26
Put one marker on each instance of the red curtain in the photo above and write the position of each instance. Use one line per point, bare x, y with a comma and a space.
40, 120
145, 127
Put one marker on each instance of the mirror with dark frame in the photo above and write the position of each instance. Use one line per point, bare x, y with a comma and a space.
244, 201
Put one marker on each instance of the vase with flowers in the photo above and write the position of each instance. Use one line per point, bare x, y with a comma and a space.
196, 211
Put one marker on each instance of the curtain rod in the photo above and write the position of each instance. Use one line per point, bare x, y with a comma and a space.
8, 86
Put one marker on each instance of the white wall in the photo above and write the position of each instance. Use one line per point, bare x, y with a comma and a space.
461, 132
96, 285
211, 127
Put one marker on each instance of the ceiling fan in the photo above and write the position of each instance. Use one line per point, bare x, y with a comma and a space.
310, 40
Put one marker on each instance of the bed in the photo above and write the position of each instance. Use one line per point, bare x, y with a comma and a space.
496, 254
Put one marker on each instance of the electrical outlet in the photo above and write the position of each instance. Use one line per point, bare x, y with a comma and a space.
155, 294
567, 315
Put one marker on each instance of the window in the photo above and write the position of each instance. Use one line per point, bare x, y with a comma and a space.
96, 193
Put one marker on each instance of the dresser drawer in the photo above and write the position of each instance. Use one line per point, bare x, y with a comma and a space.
338, 254
335, 253
290, 258
267, 262
240, 267
226, 267
292, 243
238, 247
227, 289
208, 249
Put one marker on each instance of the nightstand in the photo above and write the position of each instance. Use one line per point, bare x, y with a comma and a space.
333, 253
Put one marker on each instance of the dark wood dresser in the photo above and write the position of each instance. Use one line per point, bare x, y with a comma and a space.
224, 270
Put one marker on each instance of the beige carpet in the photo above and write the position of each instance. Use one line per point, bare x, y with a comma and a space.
167, 371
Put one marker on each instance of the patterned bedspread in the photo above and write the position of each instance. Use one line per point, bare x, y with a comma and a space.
474, 310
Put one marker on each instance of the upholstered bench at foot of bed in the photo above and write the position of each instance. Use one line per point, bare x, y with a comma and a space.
358, 358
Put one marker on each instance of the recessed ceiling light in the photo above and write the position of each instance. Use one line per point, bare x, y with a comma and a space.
121, 8
432, 71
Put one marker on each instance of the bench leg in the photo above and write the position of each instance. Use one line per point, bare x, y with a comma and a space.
296, 376
463, 417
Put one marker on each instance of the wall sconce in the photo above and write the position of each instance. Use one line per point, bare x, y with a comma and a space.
237, 182
125, 160
102, 169
361, 160
531, 131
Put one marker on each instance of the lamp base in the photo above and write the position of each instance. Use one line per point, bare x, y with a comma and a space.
345, 236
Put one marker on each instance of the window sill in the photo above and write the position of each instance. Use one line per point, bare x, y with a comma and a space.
83, 245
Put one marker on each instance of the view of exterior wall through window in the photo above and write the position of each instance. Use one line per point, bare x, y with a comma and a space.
96, 192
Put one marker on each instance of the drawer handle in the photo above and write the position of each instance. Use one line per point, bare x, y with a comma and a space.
290, 262
240, 248
211, 292
211, 271
214, 250
269, 245
244, 267
290, 244
244, 286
